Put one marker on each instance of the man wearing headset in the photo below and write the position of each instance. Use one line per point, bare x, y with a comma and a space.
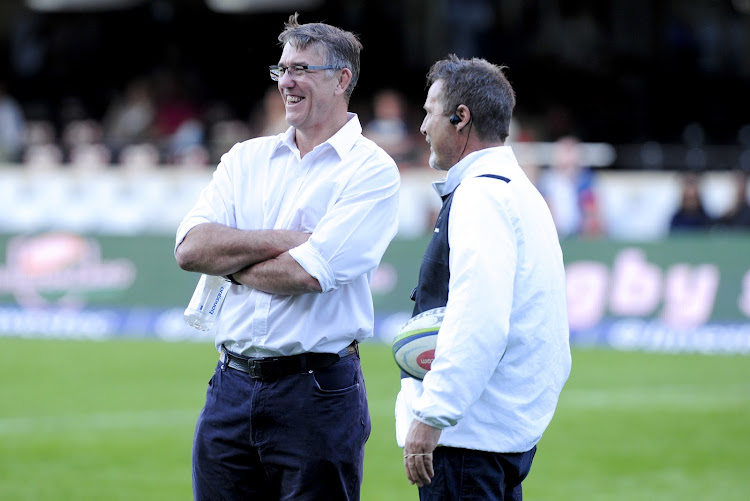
470, 428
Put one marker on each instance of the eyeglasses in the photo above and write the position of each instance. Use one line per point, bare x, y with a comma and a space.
296, 70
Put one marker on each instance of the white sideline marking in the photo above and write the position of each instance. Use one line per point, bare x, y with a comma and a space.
98, 421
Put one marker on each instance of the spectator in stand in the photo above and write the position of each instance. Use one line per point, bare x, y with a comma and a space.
738, 215
690, 215
178, 122
567, 186
270, 119
130, 117
388, 126
522, 132
12, 128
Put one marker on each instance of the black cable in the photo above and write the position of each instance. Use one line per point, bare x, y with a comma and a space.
471, 122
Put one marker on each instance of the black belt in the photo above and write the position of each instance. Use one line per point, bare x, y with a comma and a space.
270, 368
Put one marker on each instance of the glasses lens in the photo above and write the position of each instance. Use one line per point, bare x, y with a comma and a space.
275, 72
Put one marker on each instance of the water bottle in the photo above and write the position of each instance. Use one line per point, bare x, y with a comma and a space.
206, 302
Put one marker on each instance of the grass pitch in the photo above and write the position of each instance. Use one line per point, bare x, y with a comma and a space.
114, 420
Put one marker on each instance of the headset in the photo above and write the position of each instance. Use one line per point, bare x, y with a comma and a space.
455, 120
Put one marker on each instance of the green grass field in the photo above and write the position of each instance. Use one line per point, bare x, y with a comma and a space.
114, 421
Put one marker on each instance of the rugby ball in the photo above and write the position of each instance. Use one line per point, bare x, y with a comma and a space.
414, 345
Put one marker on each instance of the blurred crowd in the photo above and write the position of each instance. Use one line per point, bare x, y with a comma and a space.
692, 214
154, 122
151, 121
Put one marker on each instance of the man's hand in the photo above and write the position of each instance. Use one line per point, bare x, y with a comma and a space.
420, 443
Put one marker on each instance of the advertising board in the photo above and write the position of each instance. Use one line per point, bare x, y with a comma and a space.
688, 293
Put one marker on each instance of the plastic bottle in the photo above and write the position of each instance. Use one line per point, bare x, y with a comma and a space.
206, 302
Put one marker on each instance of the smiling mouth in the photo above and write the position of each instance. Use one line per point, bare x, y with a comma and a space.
293, 99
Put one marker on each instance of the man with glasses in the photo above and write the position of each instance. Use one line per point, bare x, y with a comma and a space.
299, 223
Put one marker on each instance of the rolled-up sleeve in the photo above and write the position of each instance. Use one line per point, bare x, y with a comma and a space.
352, 237
314, 264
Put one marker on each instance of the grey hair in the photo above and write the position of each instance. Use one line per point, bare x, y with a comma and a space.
341, 47
482, 87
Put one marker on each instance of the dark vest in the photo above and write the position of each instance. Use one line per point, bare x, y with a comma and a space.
434, 273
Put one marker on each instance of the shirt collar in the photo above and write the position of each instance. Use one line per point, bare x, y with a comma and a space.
342, 141
471, 166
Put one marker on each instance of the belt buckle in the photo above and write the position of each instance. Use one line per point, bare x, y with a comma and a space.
253, 368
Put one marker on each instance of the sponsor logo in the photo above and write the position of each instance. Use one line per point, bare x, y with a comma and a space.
61, 269
680, 295
424, 360
216, 301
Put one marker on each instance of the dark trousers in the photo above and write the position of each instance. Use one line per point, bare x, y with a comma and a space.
301, 437
468, 475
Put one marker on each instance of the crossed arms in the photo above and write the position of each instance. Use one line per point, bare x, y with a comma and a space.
256, 258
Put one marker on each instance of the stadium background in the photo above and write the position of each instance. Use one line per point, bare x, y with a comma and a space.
652, 90
619, 71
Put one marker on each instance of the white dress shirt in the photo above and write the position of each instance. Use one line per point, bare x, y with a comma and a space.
344, 192
503, 351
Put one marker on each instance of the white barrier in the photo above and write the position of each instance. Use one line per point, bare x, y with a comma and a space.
634, 205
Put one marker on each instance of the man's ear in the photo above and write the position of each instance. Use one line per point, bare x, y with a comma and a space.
344, 80
464, 114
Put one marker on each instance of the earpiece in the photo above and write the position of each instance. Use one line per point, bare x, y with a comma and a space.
454, 119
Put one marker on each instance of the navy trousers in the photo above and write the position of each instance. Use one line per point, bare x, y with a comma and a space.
468, 475
301, 437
